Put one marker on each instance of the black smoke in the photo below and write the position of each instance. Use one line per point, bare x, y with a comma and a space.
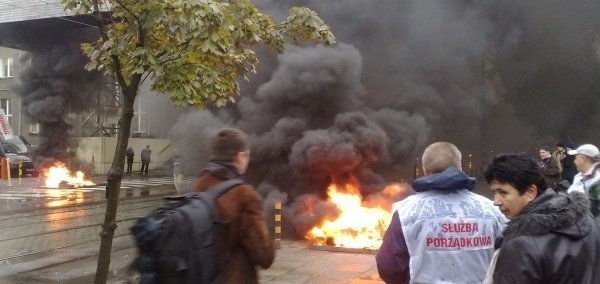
489, 76
309, 124
53, 84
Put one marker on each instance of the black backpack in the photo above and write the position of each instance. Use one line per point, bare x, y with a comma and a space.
177, 243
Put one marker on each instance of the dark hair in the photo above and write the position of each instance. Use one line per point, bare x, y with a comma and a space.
518, 170
546, 147
227, 143
570, 145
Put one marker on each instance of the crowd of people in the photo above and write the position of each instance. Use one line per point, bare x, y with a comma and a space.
542, 226
573, 169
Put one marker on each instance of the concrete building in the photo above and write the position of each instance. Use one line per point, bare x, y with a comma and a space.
10, 68
32, 27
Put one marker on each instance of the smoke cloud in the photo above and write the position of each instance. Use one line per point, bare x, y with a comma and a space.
488, 76
53, 84
408, 73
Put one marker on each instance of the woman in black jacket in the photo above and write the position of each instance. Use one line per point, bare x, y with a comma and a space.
551, 237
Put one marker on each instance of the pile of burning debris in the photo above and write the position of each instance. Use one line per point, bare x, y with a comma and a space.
360, 223
59, 176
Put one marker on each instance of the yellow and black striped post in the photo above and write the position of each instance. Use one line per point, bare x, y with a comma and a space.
20, 171
8, 170
277, 224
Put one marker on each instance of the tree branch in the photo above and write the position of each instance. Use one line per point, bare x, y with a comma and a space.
128, 10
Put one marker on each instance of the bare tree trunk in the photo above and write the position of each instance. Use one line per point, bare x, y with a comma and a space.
113, 188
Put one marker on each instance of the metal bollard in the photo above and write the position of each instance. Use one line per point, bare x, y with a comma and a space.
278, 224
93, 165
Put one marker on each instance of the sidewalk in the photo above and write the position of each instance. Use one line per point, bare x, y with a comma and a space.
295, 262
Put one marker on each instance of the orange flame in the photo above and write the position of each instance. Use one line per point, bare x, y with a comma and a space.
59, 173
358, 225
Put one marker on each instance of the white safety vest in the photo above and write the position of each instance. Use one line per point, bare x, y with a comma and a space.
449, 234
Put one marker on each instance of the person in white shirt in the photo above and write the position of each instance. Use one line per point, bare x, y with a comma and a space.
587, 161
587, 158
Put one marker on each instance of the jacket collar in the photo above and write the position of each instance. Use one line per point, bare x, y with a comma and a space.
222, 170
450, 179
558, 213
590, 173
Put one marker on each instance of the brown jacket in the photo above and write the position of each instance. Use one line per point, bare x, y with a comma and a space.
245, 242
551, 171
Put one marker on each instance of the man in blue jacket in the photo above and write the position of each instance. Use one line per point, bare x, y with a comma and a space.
443, 233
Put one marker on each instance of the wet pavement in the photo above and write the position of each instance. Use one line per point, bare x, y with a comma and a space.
41, 227
30, 194
295, 262
53, 238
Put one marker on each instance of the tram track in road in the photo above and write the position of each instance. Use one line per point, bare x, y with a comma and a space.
29, 196
25, 235
69, 220
9, 220
7, 259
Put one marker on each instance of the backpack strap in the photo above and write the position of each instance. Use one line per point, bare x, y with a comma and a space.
220, 188
208, 196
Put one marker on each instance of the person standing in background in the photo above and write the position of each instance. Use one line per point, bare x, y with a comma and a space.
587, 161
550, 166
129, 157
145, 155
567, 161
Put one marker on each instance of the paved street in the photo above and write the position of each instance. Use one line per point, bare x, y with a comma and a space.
39, 225
30, 194
52, 237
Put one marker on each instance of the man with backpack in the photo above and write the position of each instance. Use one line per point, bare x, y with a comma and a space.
245, 241
215, 234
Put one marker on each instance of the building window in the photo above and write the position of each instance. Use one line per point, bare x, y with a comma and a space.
139, 121
34, 128
6, 67
5, 105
